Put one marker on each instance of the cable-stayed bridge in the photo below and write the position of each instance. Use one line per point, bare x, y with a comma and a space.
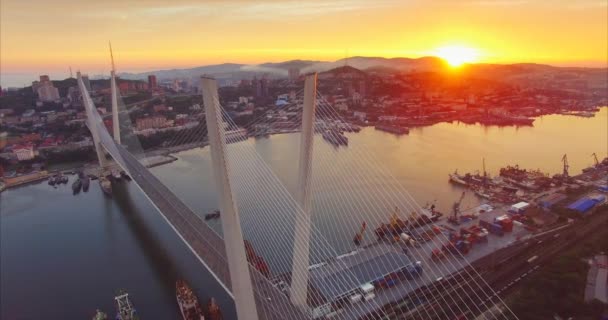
316, 280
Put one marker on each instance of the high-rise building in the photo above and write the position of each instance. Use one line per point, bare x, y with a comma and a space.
46, 90
293, 73
362, 88
152, 84
264, 87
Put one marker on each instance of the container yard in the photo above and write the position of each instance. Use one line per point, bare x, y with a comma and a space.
428, 245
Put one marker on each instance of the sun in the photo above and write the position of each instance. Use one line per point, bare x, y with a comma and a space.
455, 56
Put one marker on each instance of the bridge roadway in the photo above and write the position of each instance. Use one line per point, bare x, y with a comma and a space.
205, 243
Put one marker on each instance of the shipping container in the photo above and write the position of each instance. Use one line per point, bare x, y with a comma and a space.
496, 229
582, 205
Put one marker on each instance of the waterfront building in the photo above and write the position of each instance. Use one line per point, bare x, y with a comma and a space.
151, 122
46, 90
25, 152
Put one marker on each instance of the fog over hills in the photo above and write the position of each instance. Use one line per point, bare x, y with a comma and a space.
280, 69
235, 71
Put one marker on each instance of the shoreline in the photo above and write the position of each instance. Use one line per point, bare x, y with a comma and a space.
161, 156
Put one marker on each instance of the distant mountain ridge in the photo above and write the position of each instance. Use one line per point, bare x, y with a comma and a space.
236, 71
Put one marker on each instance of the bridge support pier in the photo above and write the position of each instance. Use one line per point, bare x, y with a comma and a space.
231, 223
301, 250
89, 106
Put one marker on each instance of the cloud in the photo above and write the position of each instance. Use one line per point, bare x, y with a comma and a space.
263, 9
499, 3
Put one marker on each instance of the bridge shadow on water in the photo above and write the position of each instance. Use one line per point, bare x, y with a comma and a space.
169, 266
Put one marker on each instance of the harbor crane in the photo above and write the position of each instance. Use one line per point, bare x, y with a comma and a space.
359, 236
597, 162
566, 166
456, 210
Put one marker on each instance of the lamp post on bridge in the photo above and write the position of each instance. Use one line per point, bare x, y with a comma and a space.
231, 224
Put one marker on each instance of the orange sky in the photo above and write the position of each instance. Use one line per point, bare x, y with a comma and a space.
48, 36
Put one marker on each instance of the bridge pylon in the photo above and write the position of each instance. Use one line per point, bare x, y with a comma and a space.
89, 106
114, 90
231, 224
301, 250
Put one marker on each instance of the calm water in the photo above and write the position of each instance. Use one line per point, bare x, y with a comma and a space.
63, 256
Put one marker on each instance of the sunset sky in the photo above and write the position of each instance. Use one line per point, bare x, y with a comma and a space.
49, 36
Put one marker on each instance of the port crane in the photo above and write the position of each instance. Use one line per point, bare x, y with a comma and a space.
597, 163
566, 166
125, 307
359, 236
456, 210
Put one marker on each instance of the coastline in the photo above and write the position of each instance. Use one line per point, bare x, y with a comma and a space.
161, 156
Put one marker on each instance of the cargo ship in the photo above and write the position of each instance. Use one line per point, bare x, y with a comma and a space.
187, 302
257, 261
215, 313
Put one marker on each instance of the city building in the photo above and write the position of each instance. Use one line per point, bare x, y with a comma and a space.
293, 74
151, 122
23, 153
152, 84
46, 90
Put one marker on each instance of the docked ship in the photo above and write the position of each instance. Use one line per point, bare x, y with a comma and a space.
215, 313
335, 137
100, 315
392, 128
84, 179
85, 183
106, 186
458, 179
76, 186
187, 302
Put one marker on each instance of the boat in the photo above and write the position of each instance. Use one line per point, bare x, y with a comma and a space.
458, 179
125, 176
116, 175
85, 183
76, 186
99, 315
188, 302
215, 313
335, 137
212, 215
126, 311
392, 128
106, 186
